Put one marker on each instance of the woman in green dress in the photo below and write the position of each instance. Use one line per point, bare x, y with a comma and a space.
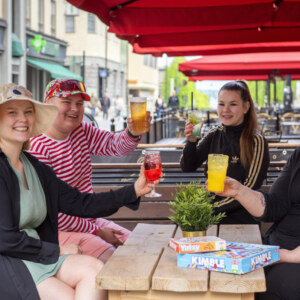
32, 264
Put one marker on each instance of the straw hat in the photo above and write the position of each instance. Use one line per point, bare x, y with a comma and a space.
45, 114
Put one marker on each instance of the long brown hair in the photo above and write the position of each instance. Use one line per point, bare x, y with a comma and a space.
250, 120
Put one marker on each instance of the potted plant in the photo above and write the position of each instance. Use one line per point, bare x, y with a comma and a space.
192, 209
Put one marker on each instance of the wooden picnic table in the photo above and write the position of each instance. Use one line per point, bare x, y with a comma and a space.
145, 268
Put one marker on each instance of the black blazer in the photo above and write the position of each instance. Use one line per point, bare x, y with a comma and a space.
283, 206
15, 280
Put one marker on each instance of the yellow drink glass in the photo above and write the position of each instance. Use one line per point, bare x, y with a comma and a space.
138, 113
217, 167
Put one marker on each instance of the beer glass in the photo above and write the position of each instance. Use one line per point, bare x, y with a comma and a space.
138, 113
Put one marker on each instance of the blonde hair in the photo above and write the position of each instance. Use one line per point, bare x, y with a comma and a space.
26, 146
250, 121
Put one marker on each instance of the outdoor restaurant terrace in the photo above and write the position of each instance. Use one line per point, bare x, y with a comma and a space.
238, 40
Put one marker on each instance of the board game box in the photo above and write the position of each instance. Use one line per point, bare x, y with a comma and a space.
197, 244
239, 258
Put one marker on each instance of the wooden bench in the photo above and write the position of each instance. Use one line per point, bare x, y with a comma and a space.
119, 174
145, 268
151, 210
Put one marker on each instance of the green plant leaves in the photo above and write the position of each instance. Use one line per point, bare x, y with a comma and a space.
192, 208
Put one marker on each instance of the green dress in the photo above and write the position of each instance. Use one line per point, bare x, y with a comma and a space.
33, 212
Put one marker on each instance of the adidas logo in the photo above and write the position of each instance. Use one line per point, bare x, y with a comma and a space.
234, 159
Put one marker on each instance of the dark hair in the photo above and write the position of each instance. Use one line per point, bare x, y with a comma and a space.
250, 120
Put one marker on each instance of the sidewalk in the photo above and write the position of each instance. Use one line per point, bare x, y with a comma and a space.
105, 124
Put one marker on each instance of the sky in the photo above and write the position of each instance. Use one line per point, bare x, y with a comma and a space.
162, 61
200, 85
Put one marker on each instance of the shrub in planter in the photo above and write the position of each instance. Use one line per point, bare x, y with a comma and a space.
192, 208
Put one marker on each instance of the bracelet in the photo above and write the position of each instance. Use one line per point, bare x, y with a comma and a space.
131, 135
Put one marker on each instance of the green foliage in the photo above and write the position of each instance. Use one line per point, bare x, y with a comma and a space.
259, 96
185, 87
192, 208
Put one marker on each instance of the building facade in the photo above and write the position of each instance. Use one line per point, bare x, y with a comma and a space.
45, 39
143, 77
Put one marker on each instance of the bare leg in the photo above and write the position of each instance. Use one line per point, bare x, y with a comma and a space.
106, 254
79, 272
54, 289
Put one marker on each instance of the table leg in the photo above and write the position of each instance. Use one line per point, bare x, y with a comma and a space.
247, 296
114, 295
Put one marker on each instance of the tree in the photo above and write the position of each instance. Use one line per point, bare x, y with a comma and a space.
261, 91
183, 87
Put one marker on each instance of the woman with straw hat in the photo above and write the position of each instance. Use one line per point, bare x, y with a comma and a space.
32, 264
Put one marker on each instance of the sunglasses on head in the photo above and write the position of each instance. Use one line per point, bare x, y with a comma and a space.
72, 85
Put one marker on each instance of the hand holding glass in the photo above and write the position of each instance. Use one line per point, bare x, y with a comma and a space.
217, 167
153, 169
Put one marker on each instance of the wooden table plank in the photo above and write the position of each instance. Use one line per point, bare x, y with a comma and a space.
165, 295
169, 277
132, 265
246, 283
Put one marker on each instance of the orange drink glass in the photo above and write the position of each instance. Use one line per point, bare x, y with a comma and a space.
217, 167
138, 113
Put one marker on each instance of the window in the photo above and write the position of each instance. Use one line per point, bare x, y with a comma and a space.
41, 15
115, 82
53, 17
27, 12
122, 81
72, 10
91, 23
70, 24
146, 59
154, 62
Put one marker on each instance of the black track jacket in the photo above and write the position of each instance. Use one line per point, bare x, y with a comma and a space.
226, 140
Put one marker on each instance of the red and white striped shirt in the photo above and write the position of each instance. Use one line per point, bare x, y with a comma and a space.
70, 159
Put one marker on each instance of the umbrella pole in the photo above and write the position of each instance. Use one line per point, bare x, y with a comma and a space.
275, 99
268, 90
192, 100
256, 91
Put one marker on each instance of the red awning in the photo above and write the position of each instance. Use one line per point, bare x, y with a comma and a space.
219, 49
253, 64
220, 37
173, 16
236, 77
173, 23
229, 77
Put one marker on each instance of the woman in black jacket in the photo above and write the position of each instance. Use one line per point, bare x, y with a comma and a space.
32, 264
281, 206
237, 137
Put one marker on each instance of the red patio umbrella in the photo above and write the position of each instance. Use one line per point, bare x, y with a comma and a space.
218, 49
173, 16
218, 37
236, 77
168, 23
228, 77
251, 64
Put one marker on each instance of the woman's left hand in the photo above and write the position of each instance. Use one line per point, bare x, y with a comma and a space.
142, 186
